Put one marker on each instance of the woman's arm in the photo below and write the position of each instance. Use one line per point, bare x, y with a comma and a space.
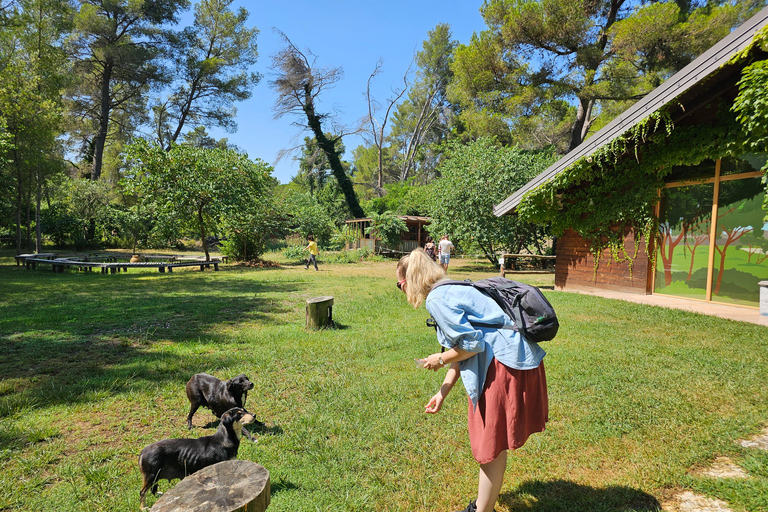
454, 355
436, 402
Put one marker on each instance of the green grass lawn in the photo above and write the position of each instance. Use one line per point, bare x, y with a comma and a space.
93, 369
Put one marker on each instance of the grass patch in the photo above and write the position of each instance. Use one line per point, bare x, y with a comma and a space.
94, 368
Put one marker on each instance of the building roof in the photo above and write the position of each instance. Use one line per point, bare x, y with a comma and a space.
403, 217
705, 65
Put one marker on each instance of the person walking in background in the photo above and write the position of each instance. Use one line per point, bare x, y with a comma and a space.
502, 372
313, 252
429, 248
444, 250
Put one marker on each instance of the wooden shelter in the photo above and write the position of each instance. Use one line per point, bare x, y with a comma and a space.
713, 254
415, 237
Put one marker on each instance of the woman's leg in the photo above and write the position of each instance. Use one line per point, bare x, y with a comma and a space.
489, 482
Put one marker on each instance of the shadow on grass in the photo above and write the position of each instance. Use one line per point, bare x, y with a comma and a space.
562, 495
281, 485
69, 338
66, 372
136, 306
472, 266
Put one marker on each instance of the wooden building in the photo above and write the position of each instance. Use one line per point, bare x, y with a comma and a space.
716, 253
415, 237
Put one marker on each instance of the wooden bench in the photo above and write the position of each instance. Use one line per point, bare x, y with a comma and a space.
20, 258
59, 264
203, 264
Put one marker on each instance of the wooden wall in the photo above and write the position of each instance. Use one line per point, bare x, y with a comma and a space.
575, 267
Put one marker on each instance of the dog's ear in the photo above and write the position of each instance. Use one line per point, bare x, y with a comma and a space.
231, 416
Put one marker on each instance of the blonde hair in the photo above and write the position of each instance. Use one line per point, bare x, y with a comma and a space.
421, 273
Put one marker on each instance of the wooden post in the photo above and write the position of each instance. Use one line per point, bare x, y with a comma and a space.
319, 312
229, 486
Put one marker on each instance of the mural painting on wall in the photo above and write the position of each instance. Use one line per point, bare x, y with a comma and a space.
740, 251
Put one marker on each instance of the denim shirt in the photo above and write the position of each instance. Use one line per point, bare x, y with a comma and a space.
455, 309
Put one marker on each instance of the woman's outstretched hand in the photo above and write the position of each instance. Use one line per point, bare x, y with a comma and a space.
433, 362
435, 403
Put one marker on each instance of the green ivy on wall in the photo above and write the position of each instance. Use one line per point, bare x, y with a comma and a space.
617, 187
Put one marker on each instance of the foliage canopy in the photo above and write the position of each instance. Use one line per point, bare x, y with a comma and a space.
202, 189
474, 178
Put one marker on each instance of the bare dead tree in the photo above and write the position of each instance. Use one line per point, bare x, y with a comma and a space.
428, 115
298, 84
378, 127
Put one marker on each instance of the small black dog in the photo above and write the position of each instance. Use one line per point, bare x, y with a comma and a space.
176, 458
219, 396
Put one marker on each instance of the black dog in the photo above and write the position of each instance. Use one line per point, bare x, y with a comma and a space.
176, 458
219, 396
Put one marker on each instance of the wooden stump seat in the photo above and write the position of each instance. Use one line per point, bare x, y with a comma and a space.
229, 486
319, 312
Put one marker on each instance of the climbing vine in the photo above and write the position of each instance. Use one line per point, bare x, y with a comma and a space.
615, 188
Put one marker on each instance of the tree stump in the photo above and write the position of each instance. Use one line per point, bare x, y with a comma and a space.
230, 486
319, 312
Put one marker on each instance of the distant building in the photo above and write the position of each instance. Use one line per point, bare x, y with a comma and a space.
415, 237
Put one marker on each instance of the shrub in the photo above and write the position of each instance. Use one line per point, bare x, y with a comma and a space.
352, 256
295, 253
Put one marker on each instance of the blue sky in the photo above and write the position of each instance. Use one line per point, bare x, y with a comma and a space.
349, 34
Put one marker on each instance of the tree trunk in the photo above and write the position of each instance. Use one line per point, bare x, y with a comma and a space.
184, 113
202, 232
578, 124
28, 206
19, 202
38, 228
101, 137
329, 148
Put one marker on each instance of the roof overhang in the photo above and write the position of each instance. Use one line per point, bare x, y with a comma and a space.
705, 65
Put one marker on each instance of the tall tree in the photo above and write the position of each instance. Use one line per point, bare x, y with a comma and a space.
585, 52
298, 84
197, 187
423, 119
33, 73
115, 47
212, 60
379, 125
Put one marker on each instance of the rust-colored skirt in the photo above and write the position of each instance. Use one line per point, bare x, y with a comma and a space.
512, 406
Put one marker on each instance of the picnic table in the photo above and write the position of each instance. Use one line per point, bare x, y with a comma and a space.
513, 257
163, 257
200, 258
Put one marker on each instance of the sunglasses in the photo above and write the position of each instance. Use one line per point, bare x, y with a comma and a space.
400, 284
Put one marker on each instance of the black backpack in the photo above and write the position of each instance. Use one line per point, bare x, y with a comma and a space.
534, 316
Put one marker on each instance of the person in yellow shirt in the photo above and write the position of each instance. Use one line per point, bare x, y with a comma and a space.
313, 252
